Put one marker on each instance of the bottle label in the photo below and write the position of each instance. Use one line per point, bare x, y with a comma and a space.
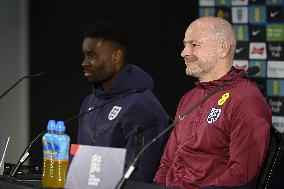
61, 147
56, 146
48, 146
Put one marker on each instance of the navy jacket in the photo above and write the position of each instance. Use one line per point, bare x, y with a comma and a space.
126, 122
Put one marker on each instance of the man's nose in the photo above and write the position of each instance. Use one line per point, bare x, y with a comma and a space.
186, 52
85, 62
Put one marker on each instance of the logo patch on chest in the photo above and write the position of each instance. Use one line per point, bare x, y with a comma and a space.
114, 112
213, 115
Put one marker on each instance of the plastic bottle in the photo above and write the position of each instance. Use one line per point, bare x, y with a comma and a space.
48, 147
60, 156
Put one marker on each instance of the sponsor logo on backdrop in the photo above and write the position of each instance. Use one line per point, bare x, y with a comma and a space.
276, 105
223, 2
275, 14
257, 51
278, 123
275, 69
242, 51
240, 15
275, 51
275, 32
257, 33
206, 2
241, 32
257, 14
261, 64
223, 12
275, 87
239, 50
241, 64
206, 11
239, 2
274, 2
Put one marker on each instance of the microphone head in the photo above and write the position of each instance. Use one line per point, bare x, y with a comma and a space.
42, 74
252, 70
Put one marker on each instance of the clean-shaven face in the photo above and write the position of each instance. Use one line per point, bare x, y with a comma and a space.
98, 64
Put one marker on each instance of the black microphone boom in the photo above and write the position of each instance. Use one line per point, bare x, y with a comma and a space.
41, 74
131, 167
136, 90
251, 71
26, 153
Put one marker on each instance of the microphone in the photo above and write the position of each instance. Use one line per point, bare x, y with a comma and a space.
41, 74
251, 71
136, 90
26, 153
132, 166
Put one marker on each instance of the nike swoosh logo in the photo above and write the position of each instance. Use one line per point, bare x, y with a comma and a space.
273, 14
254, 33
239, 50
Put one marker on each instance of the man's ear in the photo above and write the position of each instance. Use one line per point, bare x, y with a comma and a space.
117, 56
225, 49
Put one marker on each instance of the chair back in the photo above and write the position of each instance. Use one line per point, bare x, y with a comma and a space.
271, 161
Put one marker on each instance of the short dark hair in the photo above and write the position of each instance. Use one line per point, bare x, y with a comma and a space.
109, 31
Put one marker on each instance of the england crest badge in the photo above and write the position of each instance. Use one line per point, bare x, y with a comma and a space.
114, 112
214, 115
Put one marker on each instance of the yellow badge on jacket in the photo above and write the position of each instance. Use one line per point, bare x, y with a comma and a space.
223, 99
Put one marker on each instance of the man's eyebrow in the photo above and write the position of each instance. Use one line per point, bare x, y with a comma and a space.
191, 41
85, 50
187, 41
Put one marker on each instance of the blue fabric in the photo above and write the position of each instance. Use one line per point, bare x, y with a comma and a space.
140, 112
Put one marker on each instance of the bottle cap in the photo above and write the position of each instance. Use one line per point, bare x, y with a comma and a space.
60, 126
51, 125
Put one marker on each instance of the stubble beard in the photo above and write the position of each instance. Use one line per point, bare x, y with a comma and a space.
192, 70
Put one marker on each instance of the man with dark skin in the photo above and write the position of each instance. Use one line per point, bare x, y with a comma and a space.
128, 122
103, 60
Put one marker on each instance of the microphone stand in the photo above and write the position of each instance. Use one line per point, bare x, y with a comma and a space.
26, 153
41, 74
23, 157
132, 166
8, 90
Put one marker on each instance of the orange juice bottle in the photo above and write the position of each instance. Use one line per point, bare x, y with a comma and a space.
57, 165
47, 141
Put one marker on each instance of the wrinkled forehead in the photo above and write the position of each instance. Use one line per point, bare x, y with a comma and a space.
199, 31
